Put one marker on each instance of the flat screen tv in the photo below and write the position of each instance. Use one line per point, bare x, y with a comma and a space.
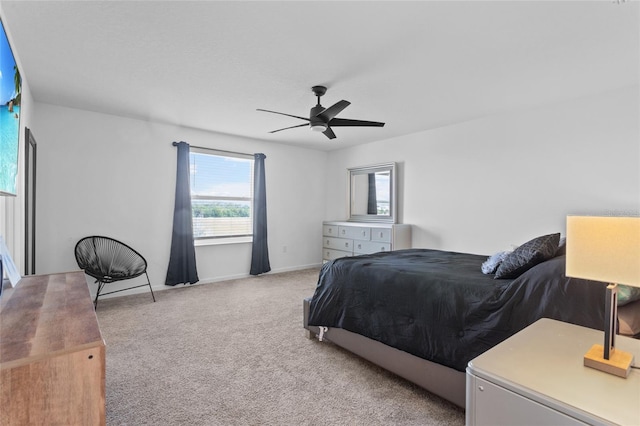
10, 94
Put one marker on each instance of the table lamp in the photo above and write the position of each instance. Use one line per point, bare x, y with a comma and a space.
605, 249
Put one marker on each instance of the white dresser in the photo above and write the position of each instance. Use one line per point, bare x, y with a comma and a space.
340, 239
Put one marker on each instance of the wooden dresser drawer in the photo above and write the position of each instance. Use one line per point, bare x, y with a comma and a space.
368, 247
355, 232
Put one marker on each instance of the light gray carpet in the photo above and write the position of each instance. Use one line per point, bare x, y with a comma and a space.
234, 353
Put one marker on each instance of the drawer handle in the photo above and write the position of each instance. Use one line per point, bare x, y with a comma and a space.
344, 232
346, 244
381, 234
328, 242
359, 246
383, 248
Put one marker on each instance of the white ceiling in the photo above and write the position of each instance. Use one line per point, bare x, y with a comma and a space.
415, 65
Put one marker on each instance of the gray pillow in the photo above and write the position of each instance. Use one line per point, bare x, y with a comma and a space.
528, 255
562, 247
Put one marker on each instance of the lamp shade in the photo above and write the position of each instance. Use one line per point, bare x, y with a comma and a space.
604, 248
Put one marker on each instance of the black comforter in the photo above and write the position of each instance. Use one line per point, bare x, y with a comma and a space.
439, 305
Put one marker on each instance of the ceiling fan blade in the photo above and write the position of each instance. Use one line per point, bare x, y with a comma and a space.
329, 133
333, 110
347, 122
282, 113
292, 127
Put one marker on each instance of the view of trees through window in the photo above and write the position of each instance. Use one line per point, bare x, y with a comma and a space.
221, 194
220, 209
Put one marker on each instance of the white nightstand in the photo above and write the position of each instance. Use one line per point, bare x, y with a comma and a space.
537, 377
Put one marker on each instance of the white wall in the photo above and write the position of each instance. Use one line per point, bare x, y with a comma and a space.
485, 185
476, 187
100, 174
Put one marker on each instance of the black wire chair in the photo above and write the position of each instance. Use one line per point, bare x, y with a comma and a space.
108, 260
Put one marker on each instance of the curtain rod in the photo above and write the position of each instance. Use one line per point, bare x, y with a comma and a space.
213, 149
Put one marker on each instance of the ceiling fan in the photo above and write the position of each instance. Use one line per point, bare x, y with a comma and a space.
322, 119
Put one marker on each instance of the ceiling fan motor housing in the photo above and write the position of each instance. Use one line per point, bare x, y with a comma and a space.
314, 120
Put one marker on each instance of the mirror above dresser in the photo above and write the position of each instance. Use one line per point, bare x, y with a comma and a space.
372, 193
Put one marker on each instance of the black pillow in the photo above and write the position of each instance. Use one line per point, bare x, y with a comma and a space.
528, 255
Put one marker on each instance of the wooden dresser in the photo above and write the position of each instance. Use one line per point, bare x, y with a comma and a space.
52, 354
340, 239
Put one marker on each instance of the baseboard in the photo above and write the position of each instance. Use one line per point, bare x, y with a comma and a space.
247, 275
204, 281
296, 268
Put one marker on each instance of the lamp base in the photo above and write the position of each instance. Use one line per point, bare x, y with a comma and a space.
618, 364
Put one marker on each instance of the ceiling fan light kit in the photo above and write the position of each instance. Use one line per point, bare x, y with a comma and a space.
321, 119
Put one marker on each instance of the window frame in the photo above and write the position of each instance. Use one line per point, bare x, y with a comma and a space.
223, 239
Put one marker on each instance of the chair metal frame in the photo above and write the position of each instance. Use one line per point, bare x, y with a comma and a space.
88, 253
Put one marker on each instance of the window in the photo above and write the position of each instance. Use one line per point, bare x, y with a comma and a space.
221, 193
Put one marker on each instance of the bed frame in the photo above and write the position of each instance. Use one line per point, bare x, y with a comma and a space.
438, 379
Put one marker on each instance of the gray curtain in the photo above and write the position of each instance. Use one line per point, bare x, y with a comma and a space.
259, 250
182, 260
372, 204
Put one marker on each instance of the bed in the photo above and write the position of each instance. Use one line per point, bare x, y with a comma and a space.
424, 314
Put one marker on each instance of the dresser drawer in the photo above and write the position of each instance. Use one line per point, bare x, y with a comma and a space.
381, 234
330, 230
355, 232
337, 243
330, 254
367, 247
